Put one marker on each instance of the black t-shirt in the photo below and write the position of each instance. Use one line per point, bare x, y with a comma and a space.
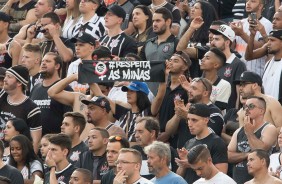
76, 151
173, 166
93, 163
12, 173
217, 149
51, 110
216, 119
27, 110
230, 72
109, 177
62, 176
33, 80
120, 45
183, 133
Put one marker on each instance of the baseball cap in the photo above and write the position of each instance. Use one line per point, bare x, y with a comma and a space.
20, 72
2, 72
5, 17
99, 101
118, 11
249, 76
136, 86
199, 109
84, 37
276, 34
101, 52
226, 31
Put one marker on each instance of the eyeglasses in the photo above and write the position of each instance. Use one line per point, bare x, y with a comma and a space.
115, 137
124, 162
243, 84
251, 106
197, 79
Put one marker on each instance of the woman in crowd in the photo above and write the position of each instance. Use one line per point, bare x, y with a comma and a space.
73, 14
14, 126
24, 158
44, 145
142, 21
201, 11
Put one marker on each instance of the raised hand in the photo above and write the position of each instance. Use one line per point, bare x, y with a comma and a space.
185, 84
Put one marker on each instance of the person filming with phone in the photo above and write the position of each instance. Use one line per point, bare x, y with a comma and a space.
255, 134
241, 28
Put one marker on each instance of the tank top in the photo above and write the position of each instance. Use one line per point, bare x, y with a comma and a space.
240, 170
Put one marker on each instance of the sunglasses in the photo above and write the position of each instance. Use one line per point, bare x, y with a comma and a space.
201, 79
251, 106
115, 137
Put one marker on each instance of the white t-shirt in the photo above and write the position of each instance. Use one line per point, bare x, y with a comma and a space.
271, 78
73, 68
219, 178
143, 181
275, 163
256, 65
34, 166
221, 92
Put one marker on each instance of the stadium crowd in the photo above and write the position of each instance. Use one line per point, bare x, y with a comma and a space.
206, 108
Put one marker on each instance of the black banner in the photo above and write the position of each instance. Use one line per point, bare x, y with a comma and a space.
108, 71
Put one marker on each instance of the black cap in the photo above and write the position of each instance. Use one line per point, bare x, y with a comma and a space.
84, 37
101, 52
199, 109
5, 17
249, 76
2, 72
99, 101
118, 11
276, 34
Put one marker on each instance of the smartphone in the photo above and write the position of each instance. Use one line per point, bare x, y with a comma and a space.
253, 17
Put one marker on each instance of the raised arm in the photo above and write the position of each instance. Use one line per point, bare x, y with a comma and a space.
58, 93
65, 52
157, 102
183, 42
250, 52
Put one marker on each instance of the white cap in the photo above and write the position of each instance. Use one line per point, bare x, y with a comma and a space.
226, 31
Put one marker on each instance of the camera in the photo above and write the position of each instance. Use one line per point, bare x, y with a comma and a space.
39, 30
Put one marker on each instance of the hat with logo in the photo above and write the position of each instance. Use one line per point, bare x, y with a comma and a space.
101, 52
249, 76
118, 11
276, 34
199, 109
84, 38
136, 86
99, 101
20, 72
226, 31
2, 72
